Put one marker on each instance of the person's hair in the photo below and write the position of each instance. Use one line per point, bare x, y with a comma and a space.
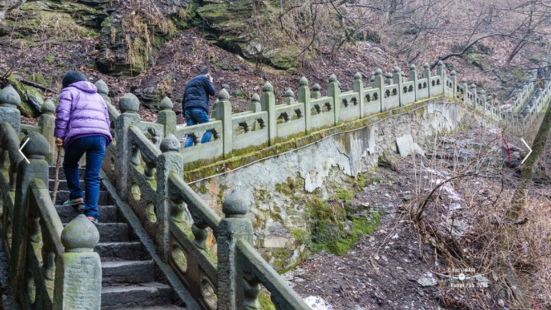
72, 77
204, 70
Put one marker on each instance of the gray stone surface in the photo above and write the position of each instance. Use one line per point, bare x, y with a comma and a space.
407, 147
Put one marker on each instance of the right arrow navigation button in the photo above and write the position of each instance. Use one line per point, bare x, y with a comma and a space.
529, 149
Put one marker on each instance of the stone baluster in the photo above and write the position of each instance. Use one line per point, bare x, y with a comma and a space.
289, 97
46, 123
388, 78
255, 106
36, 151
358, 87
441, 71
225, 111
426, 75
269, 105
334, 92
305, 98
482, 97
9, 101
466, 92
170, 161
413, 77
453, 76
129, 105
167, 116
234, 226
397, 79
78, 270
316, 91
473, 92
379, 83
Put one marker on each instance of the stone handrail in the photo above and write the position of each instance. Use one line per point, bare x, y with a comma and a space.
149, 177
268, 122
50, 267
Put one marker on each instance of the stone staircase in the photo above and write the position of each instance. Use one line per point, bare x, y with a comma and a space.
130, 278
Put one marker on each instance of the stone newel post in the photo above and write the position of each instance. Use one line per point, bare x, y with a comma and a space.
46, 123
234, 226
473, 91
78, 270
166, 116
36, 151
170, 161
359, 88
225, 111
304, 97
426, 75
397, 79
129, 105
413, 77
379, 83
334, 91
268, 104
453, 76
9, 101
254, 106
289, 97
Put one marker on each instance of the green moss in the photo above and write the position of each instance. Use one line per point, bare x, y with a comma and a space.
203, 188
329, 227
344, 195
266, 301
290, 187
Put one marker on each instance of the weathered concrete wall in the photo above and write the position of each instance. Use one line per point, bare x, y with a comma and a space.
319, 168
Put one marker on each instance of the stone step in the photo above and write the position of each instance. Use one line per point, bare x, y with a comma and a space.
114, 232
108, 213
104, 198
62, 172
63, 185
114, 251
127, 272
143, 295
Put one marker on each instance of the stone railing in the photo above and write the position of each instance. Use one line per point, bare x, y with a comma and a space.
267, 122
50, 267
146, 165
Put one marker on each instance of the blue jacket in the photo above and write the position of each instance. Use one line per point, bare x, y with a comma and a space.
196, 94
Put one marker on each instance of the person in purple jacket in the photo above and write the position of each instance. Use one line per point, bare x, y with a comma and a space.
82, 126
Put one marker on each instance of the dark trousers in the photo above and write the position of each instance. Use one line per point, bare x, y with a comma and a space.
197, 116
94, 147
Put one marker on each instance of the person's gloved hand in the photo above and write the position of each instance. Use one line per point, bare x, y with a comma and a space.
59, 141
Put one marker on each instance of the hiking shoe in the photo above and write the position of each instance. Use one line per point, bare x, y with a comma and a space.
77, 204
93, 220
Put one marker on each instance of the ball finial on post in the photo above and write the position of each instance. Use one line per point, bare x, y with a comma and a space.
166, 104
47, 107
102, 87
9, 96
129, 103
234, 205
37, 146
80, 235
170, 144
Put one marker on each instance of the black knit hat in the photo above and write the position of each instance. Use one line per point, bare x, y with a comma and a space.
72, 77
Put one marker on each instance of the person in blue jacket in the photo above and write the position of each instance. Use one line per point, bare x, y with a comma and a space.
196, 102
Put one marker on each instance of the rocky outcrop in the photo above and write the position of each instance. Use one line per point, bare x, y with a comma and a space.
128, 42
238, 27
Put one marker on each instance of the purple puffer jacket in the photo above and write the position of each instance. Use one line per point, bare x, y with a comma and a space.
81, 112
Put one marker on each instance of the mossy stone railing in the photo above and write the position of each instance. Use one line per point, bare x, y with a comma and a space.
50, 267
146, 165
212, 254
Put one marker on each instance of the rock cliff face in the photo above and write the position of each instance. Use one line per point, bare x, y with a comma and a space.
248, 28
